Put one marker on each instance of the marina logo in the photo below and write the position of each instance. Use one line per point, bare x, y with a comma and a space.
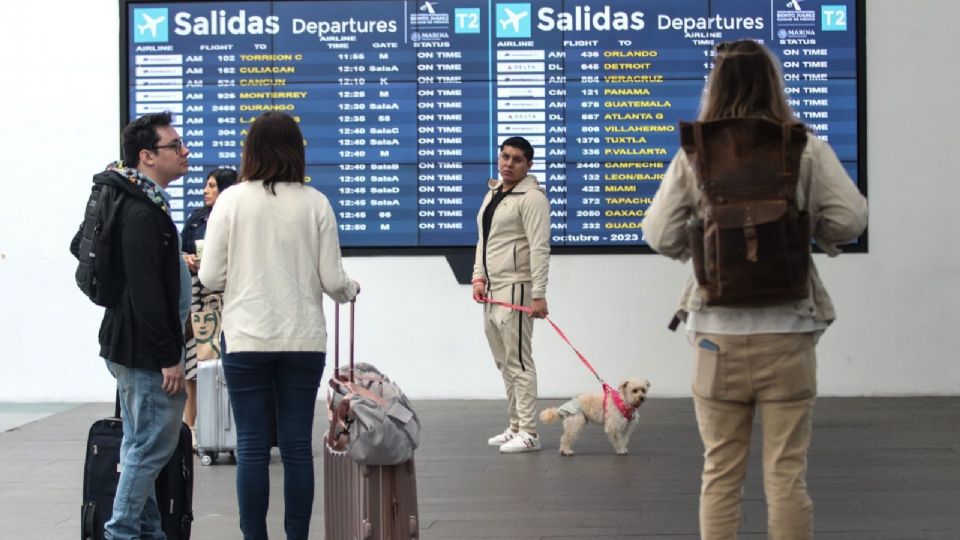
797, 33
513, 20
833, 18
150, 25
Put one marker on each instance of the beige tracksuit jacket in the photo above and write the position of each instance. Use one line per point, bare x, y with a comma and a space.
518, 247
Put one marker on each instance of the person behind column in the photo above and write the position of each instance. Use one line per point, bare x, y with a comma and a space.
272, 248
141, 339
511, 265
759, 359
192, 240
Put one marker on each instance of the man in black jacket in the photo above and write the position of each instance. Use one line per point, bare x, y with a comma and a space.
141, 338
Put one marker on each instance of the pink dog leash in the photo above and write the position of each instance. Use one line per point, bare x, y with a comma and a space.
608, 391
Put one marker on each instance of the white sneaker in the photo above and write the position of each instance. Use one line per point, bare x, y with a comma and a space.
498, 440
521, 442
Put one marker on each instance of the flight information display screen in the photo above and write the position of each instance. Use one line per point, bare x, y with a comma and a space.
403, 103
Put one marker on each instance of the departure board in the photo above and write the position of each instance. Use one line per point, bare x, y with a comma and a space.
403, 103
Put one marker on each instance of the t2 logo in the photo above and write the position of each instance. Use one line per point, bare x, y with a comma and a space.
833, 18
466, 21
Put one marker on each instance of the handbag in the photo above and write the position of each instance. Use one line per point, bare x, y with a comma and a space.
372, 418
207, 327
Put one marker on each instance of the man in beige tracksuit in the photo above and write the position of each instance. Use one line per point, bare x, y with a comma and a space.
511, 265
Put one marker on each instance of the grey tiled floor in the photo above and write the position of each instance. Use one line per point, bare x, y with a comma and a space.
17, 414
880, 468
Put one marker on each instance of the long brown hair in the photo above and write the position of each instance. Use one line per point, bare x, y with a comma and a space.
746, 81
273, 151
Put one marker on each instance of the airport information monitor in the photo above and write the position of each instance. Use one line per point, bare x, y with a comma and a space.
403, 103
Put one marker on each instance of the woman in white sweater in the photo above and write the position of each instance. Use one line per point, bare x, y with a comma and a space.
272, 247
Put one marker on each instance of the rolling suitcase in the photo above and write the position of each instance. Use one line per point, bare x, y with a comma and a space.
101, 473
216, 431
363, 502
175, 489
216, 427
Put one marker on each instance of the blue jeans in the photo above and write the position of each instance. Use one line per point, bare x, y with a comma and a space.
255, 381
151, 431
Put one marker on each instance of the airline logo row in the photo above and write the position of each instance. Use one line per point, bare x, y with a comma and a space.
514, 20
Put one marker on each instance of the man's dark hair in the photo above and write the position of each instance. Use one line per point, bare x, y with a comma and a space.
273, 151
520, 143
141, 134
225, 178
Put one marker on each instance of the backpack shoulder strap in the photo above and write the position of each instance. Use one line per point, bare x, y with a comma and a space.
793, 139
111, 199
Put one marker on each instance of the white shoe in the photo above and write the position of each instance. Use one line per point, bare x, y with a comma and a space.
498, 440
521, 442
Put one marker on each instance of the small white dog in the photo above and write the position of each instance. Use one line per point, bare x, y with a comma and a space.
618, 420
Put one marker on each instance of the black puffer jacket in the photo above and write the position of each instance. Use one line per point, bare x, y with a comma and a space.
143, 331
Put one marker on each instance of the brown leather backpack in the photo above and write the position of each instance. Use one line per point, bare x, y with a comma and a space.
752, 245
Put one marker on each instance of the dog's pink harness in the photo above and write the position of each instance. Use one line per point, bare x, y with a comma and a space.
621, 405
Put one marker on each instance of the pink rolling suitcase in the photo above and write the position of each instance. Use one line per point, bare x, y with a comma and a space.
363, 502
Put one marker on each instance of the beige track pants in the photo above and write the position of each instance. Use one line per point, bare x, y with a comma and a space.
509, 333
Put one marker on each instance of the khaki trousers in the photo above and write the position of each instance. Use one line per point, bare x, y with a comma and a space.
733, 376
508, 333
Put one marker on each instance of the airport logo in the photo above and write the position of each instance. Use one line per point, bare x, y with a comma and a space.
833, 18
466, 21
513, 20
428, 17
150, 25
792, 13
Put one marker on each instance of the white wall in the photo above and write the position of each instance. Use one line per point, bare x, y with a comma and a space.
897, 305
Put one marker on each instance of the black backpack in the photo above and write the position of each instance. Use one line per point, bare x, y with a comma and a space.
99, 274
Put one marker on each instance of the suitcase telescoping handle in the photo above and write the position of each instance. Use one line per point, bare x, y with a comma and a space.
338, 434
336, 339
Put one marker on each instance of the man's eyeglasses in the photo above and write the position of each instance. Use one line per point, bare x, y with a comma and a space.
176, 145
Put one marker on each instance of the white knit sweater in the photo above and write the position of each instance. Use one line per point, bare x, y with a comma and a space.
274, 256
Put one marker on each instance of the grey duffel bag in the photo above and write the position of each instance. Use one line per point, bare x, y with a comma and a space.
374, 421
